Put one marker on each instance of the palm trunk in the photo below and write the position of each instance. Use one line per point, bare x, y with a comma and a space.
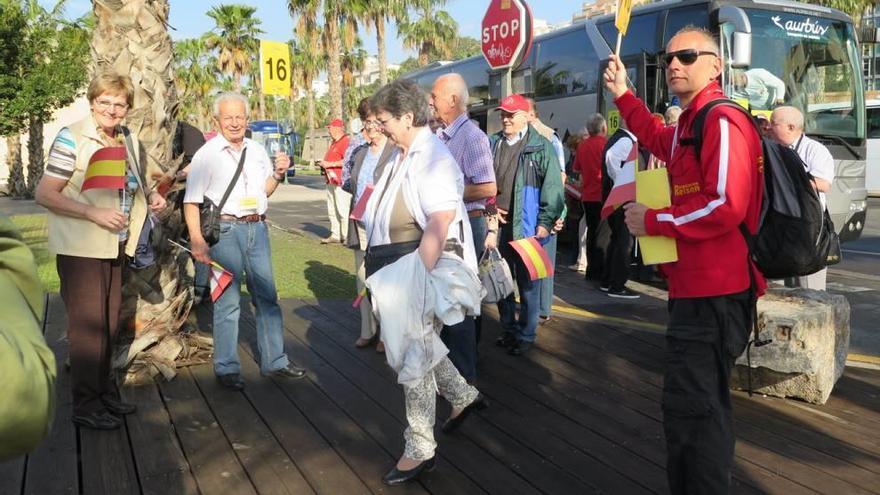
334, 69
131, 37
17, 188
380, 42
36, 161
423, 56
263, 109
310, 108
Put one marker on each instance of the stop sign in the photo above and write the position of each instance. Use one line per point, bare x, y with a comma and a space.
507, 33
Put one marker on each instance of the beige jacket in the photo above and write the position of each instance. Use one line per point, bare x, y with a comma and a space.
80, 237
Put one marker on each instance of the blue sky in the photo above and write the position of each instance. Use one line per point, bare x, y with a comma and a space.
189, 20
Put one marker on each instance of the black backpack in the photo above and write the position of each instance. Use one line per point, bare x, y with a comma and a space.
795, 234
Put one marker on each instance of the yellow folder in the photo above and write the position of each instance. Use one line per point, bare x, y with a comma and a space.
652, 190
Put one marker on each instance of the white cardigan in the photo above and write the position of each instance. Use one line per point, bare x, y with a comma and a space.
412, 304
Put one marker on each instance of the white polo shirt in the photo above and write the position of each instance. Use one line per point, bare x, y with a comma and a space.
212, 169
817, 158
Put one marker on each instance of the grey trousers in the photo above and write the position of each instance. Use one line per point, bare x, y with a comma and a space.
421, 405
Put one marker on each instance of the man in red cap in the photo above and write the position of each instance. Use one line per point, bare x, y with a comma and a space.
529, 201
337, 199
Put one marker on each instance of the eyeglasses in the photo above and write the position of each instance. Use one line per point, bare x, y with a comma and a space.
372, 125
237, 119
106, 105
687, 56
383, 123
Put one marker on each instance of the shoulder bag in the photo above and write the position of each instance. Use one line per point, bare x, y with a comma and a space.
209, 213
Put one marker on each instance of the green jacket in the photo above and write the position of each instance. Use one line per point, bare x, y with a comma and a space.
26, 363
538, 193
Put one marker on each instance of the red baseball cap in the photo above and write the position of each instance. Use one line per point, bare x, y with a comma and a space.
336, 123
514, 103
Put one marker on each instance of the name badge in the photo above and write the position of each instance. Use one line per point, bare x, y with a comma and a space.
247, 205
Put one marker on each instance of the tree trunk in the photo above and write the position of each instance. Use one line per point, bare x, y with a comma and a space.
264, 111
131, 38
17, 188
334, 69
423, 56
380, 42
310, 108
36, 161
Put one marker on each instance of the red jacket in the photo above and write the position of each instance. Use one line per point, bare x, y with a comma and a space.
588, 162
711, 195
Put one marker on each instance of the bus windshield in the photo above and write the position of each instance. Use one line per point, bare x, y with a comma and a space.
808, 62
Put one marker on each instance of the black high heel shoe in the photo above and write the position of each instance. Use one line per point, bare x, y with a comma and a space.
452, 424
396, 476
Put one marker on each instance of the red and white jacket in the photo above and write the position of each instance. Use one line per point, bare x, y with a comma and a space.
711, 194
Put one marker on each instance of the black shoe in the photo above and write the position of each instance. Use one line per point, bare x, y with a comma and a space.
290, 371
478, 404
543, 320
623, 293
231, 381
117, 407
396, 476
101, 420
505, 340
520, 348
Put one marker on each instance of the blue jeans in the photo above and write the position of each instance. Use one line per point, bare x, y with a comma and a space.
244, 248
525, 327
479, 230
546, 306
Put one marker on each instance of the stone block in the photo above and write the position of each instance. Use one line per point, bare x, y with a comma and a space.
810, 332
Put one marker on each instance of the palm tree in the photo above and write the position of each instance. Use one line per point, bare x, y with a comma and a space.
307, 63
235, 38
433, 34
340, 31
132, 38
195, 76
374, 15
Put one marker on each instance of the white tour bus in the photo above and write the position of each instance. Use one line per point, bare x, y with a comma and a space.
810, 50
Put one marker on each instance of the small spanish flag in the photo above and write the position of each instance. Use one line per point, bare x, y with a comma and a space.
534, 257
106, 169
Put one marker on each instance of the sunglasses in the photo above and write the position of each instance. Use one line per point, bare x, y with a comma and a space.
686, 57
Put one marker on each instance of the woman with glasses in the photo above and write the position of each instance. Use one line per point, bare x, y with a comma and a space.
421, 270
97, 187
367, 164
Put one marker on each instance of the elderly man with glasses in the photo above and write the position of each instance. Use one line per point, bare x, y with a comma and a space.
712, 286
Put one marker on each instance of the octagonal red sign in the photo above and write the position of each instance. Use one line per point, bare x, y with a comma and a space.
506, 33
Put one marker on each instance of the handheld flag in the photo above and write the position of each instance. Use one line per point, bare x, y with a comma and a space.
624, 189
220, 280
534, 257
621, 21
106, 169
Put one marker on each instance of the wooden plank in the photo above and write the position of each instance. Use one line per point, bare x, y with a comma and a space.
162, 468
269, 468
12, 475
359, 450
52, 467
211, 458
323, 467
107, 463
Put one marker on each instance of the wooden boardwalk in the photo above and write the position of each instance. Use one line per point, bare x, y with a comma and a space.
578, 414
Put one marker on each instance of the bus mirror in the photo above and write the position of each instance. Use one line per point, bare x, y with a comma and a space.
741, 51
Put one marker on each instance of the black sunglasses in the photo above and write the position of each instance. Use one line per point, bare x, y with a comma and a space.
686, 57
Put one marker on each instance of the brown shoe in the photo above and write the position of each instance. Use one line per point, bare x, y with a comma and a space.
380, 347
362, 342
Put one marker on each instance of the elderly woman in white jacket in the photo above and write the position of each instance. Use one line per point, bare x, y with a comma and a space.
421, 270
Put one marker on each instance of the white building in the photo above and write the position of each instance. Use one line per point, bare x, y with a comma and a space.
370, 74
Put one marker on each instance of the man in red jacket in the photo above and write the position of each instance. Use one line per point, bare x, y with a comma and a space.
710, 286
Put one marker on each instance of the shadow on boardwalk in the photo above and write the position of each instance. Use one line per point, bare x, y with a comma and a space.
578, 414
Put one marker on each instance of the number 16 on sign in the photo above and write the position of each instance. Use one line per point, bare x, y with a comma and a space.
275, 68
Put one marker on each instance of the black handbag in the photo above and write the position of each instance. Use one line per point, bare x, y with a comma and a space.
209, 213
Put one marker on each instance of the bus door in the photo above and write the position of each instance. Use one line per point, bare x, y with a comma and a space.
637, 80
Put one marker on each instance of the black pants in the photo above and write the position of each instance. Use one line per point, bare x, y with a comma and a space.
595, 257
704, 338
461, 342
616, 269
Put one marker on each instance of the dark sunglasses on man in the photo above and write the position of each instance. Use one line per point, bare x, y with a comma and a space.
687, 56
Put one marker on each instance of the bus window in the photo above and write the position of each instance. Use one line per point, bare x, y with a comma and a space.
641, 35
676, 19
873, 122
566, 64
476, 74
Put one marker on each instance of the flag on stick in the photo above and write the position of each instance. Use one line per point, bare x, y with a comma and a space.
624, 189
106, 169
220, 280
534, 257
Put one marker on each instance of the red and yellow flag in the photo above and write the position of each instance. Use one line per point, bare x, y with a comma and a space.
534, 257
106, 169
